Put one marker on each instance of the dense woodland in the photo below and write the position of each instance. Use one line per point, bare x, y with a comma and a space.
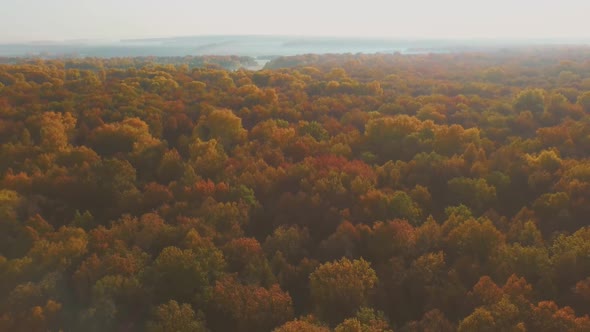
446, 192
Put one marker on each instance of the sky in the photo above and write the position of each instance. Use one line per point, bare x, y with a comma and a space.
59, 20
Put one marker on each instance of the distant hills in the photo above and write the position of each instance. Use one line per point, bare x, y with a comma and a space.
260, 47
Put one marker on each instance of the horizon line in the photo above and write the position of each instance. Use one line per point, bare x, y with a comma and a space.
307, 36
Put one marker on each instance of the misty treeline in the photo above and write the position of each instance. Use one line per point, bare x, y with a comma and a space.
73, 61
445, 192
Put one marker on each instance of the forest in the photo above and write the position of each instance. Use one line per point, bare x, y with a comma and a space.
345, 193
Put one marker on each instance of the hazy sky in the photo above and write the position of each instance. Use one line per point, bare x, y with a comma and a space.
33, 20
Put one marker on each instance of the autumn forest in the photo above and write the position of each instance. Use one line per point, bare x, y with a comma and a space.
345, 193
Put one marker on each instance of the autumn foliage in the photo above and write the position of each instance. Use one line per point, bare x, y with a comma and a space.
445, 192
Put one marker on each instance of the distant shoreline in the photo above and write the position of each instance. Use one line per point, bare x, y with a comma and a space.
260, 47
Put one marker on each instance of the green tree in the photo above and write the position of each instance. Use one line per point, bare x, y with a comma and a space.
476, 193
186, 275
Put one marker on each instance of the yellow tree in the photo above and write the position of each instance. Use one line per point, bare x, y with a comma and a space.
340, 288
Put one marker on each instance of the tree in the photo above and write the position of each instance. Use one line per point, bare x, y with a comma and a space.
172, 316
475, 193
547, 316
552, 207
115, 297
584, 101
207, 158
570, 257
293, 243
12, 241
340, 288
486, 292
56, 130
532, 263
479, 239
186, 275
62, 249
480, 320
301, 325
171, 167
237, 307
433, 320
390, 137
365, 320
222, 125
394, 238
382, 205
245, 256
131, 134
530, 100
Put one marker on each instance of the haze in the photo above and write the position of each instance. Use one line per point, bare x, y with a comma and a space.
58, 20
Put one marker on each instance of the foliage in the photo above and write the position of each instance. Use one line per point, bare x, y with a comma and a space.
354, 192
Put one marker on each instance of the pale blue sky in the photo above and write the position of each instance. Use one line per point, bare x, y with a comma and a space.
33, 20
